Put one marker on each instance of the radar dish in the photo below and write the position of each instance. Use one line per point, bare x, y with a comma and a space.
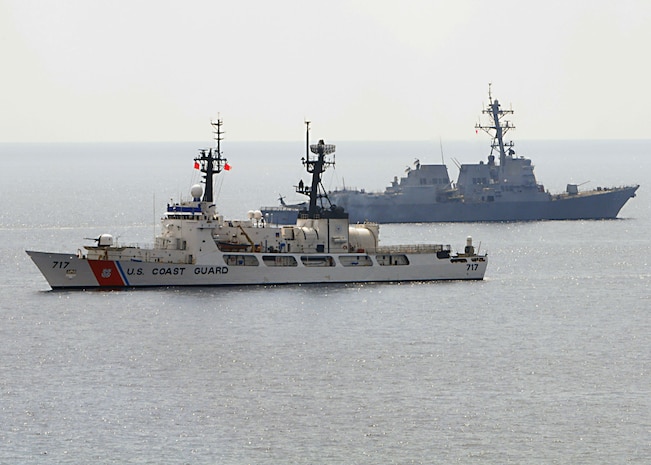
327, 148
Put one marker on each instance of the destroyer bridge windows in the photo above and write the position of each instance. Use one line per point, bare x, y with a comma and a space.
433, 181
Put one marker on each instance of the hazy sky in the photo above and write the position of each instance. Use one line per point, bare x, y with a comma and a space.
151, 70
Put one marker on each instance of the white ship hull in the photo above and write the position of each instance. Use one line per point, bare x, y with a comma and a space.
68, 271
198, 247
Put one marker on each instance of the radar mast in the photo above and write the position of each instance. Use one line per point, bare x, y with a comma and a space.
500, 125
211, 162
316, 166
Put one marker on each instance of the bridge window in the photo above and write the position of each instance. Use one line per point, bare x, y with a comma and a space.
279, 260
318, 260
392, 259
355, 260
241, 260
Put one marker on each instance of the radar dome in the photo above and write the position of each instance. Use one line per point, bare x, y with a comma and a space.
196, 191
250, 214
257, 214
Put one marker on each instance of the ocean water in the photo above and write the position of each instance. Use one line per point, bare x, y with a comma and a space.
548, 360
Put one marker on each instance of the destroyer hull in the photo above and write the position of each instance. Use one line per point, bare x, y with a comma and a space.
399, 209
68, 271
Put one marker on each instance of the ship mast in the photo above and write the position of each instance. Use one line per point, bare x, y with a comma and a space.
499, 125
315, 166
211, 161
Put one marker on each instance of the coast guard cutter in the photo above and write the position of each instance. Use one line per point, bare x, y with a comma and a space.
198, 247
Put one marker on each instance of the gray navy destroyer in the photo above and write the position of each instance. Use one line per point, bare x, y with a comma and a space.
502, 189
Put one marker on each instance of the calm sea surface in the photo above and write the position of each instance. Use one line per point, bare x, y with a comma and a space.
546, 361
